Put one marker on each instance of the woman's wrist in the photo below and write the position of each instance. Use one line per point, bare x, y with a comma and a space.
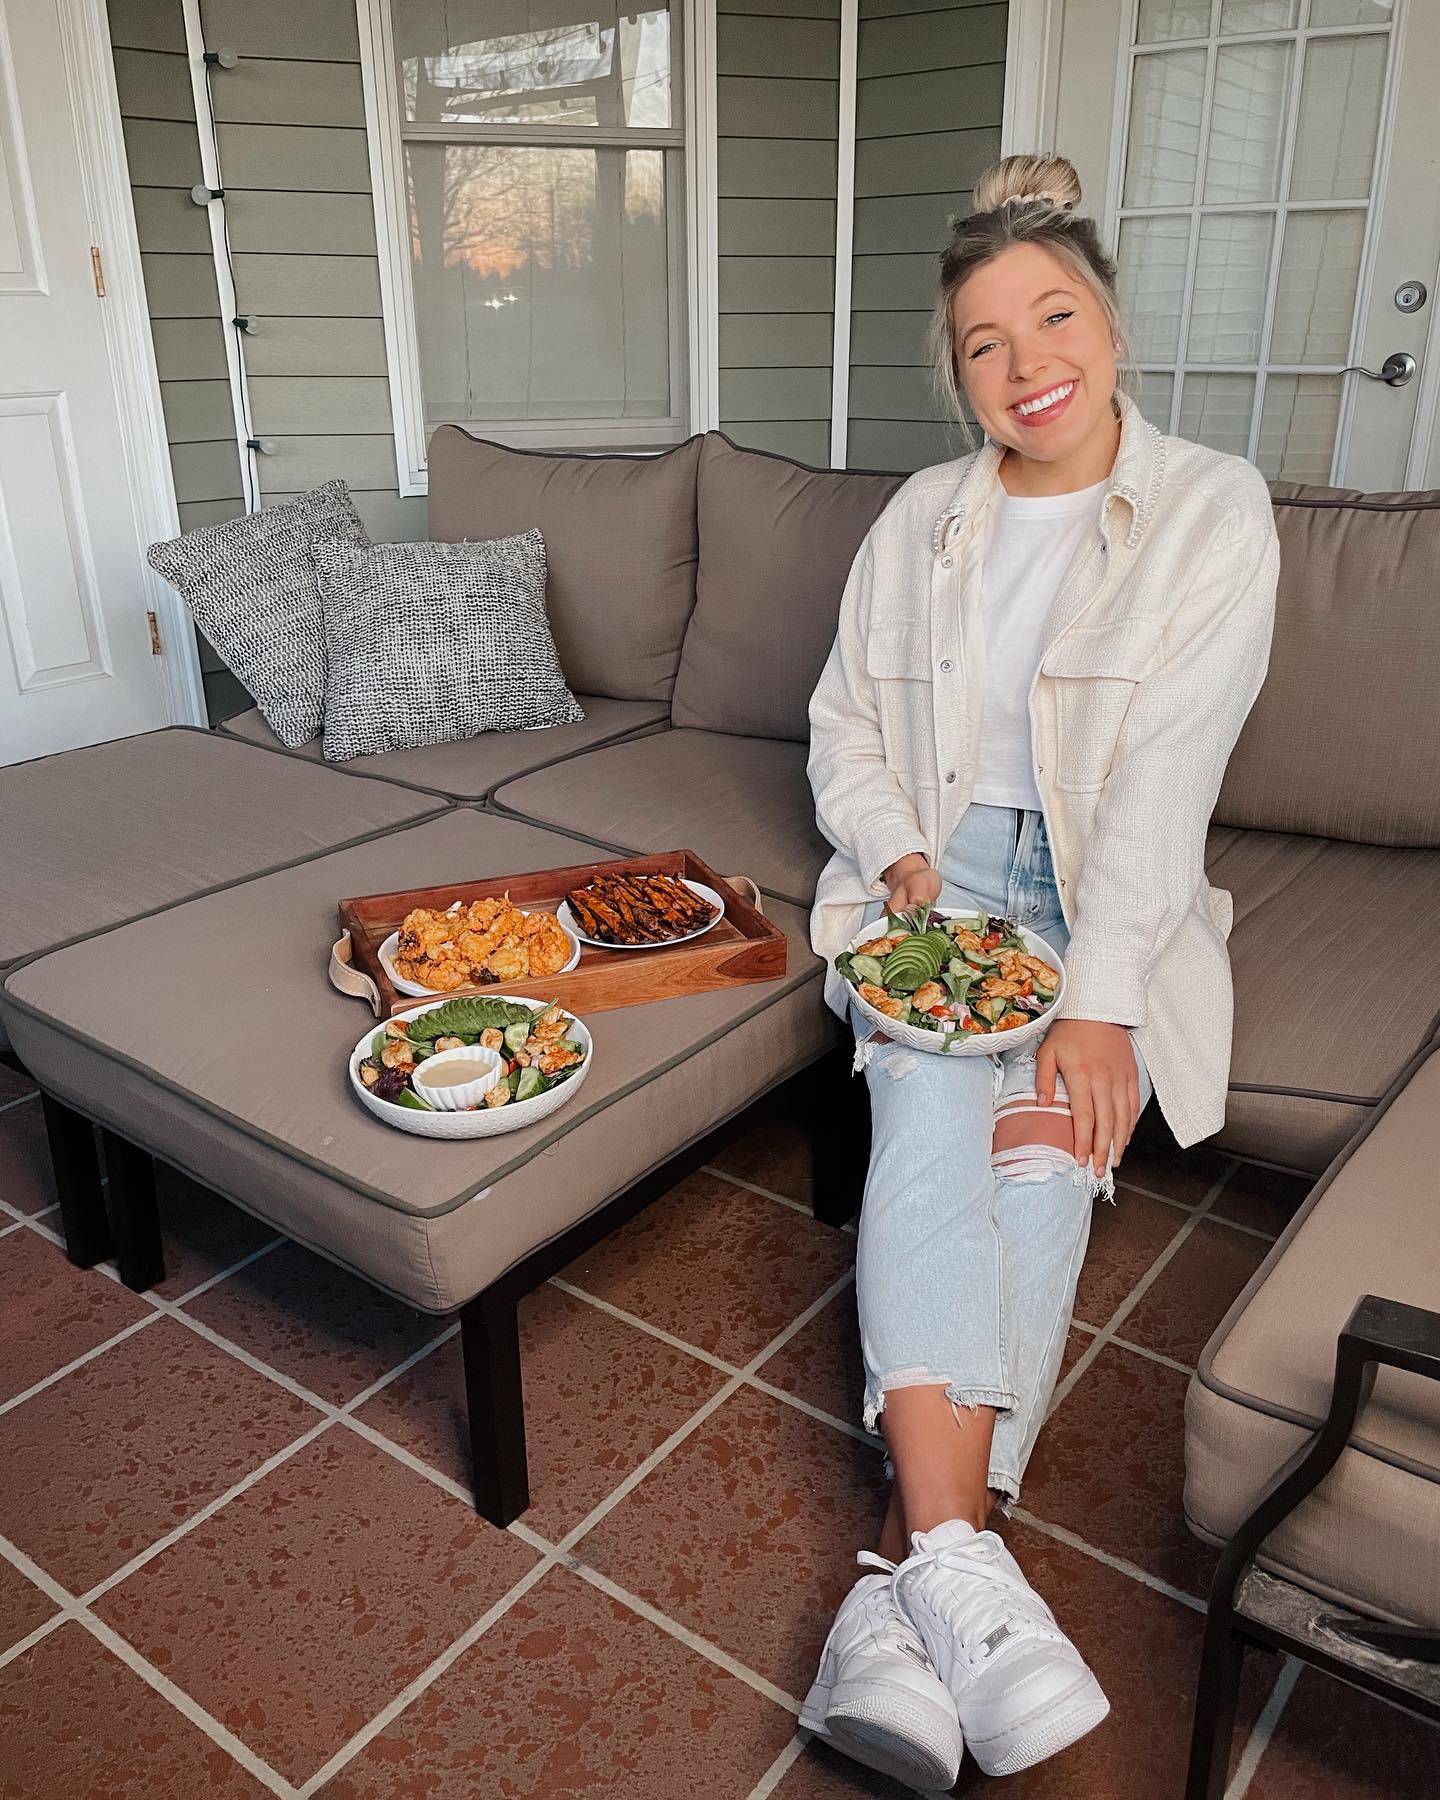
910, 864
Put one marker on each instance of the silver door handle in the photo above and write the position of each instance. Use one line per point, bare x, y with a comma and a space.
1395, 371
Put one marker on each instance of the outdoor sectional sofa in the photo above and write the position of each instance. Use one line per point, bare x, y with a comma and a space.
166, 904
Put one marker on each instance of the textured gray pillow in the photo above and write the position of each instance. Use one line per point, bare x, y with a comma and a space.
427, 643
250, 584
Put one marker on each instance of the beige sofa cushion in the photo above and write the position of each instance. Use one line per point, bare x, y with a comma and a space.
471, 768
255, 1102
1341, 742
1316, 1044
776, 543
620, 548
1367, 1536
743, 804
98, 835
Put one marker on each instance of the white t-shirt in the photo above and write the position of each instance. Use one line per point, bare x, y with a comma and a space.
1032, 544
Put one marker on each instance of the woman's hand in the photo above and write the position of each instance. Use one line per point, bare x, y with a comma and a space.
912, 882
1102, 1080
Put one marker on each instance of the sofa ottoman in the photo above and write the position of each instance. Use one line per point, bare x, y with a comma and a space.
99, 835
471, 768
1366, 1537
233, 1069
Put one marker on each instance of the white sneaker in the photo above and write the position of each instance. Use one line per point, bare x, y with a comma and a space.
1022, 1690
877, 1697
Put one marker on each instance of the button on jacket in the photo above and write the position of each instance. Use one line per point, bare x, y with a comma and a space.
1155, 651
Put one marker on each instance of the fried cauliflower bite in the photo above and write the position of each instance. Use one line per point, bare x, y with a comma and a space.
511, 962
471, 946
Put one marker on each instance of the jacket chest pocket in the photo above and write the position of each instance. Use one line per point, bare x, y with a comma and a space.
897, 660
1093, 672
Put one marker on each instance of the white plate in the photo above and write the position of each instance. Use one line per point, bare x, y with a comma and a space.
572, 924
387, 950
489, 1121
968, 1043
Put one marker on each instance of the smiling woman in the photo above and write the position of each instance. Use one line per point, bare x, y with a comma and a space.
1045, 655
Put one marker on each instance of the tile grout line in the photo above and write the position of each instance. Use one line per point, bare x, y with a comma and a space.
780, 1768
79, 1362
1137, 1293
1263, 1729
1215, 1218
754, 1187
1072, 1540
73, 1608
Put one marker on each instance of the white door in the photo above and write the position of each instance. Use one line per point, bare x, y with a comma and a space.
76, 663
1271, 178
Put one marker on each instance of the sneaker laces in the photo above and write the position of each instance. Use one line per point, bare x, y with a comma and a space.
887, 1622
986, 1613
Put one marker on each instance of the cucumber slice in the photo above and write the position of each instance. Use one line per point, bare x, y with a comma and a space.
517, 1036
865, 968
532, 1082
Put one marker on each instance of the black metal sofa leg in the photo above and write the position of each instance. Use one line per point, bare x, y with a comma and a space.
134, 1215
1215, 1701
837, 1107
494, 1397
77, 1181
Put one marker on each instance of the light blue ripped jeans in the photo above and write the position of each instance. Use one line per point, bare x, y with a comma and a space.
966, 1268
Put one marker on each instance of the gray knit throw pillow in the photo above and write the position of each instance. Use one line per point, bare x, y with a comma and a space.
250, 584
428, 643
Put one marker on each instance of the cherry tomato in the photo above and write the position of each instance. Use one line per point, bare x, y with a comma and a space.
939, 1012
990, 942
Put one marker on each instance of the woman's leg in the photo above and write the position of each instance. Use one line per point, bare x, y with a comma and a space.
931, 1285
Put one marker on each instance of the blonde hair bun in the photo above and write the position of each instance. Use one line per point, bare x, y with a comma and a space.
1021, 180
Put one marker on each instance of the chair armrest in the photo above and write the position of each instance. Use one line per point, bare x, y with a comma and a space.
1390, 1332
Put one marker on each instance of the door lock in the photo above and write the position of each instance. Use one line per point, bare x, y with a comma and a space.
1410, 296
1395, 371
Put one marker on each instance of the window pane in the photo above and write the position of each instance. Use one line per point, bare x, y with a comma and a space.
537, 62
1231, 268
1351, 12
1151, 282
1339, 116
1257, 15
1315, 301
1162, 19
1165, 107
1215, 410
1247, 119
540, 279
1154, 398
1298, 419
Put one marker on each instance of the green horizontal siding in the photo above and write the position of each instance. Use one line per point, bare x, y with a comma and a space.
806, 440
771, 393
307, 287
260, 92
318, 30
777, 227
294, 224
773, 9
189, 349
929, 102
753, 107
776, 47
777, 284
776, 340
335, 405
303, 462
316, 347
775, 169
197, 411
316, 159
147, 25
154, 85
168, 219
207, 471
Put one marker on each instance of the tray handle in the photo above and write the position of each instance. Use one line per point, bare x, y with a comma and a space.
350, 980
746, 889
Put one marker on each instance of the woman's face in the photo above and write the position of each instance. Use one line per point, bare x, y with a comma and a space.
1035, 355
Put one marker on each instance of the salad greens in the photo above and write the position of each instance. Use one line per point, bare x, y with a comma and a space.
957, 976
532, 1041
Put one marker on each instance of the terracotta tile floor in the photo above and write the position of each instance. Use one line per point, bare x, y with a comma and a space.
237, 1555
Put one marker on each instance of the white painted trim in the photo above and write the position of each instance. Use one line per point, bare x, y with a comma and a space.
1032, 75
210, 174
701, 354
844, 234
125, 314
397, 294
702, 212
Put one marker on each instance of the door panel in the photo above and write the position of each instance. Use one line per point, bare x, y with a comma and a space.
75, 658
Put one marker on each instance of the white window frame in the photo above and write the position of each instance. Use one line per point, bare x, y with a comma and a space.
1262, 367
691, 217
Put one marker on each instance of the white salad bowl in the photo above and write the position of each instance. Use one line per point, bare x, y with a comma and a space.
458, 1096
489, 1121
961, 1043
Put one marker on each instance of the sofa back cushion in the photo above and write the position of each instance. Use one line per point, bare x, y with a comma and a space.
620, 546
1341, 742
776, 543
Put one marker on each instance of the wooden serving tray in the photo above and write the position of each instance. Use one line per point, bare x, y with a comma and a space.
743, 947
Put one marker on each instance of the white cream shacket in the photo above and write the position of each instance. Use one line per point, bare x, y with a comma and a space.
1155, 651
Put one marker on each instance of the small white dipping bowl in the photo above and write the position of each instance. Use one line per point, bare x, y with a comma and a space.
458, 1096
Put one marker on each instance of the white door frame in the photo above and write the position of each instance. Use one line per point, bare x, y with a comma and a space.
125, 315
1032, 61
